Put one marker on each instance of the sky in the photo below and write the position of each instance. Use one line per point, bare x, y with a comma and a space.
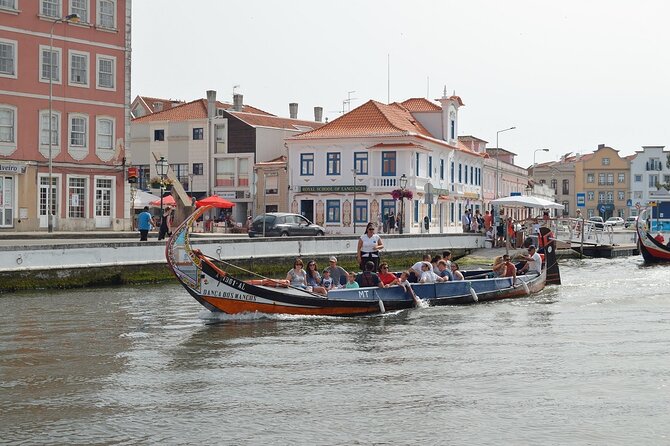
568, 75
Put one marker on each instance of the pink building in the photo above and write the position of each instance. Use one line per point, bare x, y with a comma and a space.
81, 71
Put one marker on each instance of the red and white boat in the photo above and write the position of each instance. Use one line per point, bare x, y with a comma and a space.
651, 249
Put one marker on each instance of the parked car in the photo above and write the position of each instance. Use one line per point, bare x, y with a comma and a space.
630, 221
281, 224
615, 221
597, 222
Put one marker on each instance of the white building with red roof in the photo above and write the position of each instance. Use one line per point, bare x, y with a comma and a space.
342, 175
211, 146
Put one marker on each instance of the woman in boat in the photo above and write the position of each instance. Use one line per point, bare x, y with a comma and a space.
455, 272
428, 275
385, 276
369, 245
314, 278
296, 276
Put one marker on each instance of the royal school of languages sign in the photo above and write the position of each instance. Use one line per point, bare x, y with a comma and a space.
351, 188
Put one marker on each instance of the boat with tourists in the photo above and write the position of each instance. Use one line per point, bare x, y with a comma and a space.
652, 250
207, 281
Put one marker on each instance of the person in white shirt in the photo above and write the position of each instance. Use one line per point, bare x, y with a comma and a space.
417, 269
428, 275
369, 245
533, 262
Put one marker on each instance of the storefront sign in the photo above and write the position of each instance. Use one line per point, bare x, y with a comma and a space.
12, 168
351, 188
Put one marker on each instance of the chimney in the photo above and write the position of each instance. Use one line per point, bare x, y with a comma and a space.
601, 146
293, 110
211, 103
237, 102
318, 114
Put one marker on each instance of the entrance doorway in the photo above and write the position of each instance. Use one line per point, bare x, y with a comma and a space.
307, 209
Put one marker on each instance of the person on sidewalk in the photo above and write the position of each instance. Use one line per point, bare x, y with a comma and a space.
166, 222
144, 224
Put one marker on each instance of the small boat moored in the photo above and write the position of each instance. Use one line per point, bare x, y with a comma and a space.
651, 249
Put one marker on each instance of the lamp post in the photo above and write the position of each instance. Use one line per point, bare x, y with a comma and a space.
498, 160
73, 18
403, 185
535, 152
161, 169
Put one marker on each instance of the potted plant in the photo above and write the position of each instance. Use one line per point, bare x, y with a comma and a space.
397, 194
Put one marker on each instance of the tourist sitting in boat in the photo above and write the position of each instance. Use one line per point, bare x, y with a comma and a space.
509, 269
444, 271
498, 267
369, 277
417, 269
338, 273
327, 281
385, 276
314, 278
533, 262
434, 261
428, 275
455, 271
351, 281
296, 276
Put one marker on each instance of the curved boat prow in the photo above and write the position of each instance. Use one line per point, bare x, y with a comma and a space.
652, 250
553, 273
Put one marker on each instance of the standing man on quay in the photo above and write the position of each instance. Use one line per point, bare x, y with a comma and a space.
144, 224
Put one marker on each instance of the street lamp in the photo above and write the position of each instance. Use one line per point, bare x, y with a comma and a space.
498, 160
161, 169
403, 185
73, 18
537, 150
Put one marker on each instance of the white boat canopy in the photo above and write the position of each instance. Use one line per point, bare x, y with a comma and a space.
527, 202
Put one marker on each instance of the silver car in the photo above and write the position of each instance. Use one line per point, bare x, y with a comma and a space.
282, 224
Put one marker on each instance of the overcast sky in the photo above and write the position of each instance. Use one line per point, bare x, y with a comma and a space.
569, 75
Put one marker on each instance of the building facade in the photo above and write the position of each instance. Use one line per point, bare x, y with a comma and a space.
649, 173
560, 177
70, 164
345, 174
604, 179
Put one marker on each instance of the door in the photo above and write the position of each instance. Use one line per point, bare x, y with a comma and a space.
307, 209
44, 192
6, 202
103, 202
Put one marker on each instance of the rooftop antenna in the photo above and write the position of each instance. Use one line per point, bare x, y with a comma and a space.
347, 101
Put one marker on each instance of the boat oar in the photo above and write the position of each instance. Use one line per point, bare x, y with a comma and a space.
382, 309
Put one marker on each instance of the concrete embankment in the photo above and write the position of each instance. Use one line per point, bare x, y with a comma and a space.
34, 262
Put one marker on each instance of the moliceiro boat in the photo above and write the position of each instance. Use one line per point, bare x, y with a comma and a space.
652, 250
207, 281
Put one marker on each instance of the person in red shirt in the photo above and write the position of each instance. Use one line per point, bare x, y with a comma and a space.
386, 277
488, 220
510, 268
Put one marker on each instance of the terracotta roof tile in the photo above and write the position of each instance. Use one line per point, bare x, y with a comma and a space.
371, 119
193, 110
166, 103
420, 105
257, 120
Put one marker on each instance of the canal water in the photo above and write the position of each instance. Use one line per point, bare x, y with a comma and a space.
584, 363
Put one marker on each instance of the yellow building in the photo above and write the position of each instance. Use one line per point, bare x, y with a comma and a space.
604, 179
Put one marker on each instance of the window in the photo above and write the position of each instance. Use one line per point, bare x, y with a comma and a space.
225, 172
554, 185
566, 187
590, 195
452, 128
80, 7
361, 163
220, 135
7, 58
332, 163
637, 194
361, 211
441, 169
601, 179
466, 174
452, 176
430, 166
271, 183
590, 178
307, 164
601, 197
472, 175
198, 134
566, 207
78, 68
181, 172
49, 64
78, 131
8, 4
105, 133
51, 8
638, 178
7, 125
44, 128
622, 177
653, 180
159, 135
388, 164
606, 161
610, 179
610, 196
621, 195
243, 172
332, 211
666, 179
417, 163
460, 173
106, 72
198, 169
107, 13
143, 175
76, 197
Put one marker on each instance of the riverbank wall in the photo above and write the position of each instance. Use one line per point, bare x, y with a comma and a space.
50, 263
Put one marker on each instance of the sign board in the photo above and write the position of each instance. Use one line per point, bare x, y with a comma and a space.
581, 199
515, 194
351, 188
17, 168
629, 203
602, 209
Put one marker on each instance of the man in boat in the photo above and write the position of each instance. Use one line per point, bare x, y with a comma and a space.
533, 262
369, 277
509, 269
338, 274
416, 270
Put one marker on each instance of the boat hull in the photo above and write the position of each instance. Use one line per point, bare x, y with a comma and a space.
652, 251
